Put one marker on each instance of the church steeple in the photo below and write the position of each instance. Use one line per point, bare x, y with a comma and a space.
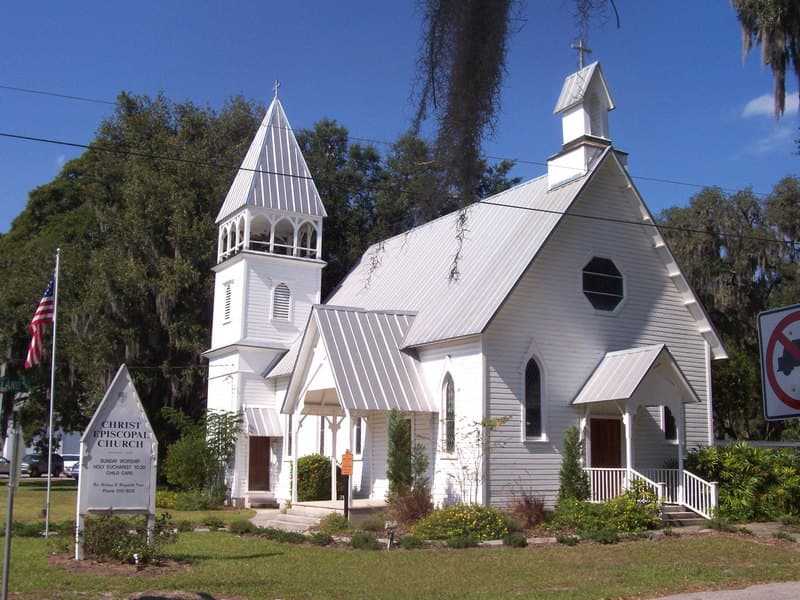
273, 205
584, 104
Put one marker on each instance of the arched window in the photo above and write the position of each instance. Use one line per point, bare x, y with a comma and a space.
449, 393
281, 302
533, 400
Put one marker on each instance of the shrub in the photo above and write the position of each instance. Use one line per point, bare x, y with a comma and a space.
755, 484
285, 537
409, 507
19, 529
192, 500
187, 462
410, 542
166, 499
634, 511
110, 537
399, 457
320, 539
374, 523
242, 527
185, 525
528, 510
313, 478
485, 522
334, 523
364, 541
574, 482
469, 540
515, 540
213, 523
603, 535
567, 540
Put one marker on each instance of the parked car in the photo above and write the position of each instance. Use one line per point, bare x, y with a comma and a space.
71, 461
73, 470
5, 467
37, 464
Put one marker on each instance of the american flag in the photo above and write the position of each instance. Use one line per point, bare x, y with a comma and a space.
43, 315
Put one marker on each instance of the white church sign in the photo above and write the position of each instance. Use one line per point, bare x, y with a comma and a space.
118, 457
779, 340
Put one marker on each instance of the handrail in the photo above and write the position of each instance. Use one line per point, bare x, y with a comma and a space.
608, 483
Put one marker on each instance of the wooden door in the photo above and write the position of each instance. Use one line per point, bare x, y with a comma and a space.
606, 439
258, 471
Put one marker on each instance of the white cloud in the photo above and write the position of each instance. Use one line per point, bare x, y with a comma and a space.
764, 106
773, 140
60, 160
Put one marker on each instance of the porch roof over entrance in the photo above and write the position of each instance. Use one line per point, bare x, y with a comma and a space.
620, 374
367, 368
263, 421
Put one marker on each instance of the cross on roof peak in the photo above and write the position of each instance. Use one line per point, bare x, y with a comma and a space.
582, 50
276, 87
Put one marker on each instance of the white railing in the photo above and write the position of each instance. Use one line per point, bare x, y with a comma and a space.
700, 495
690, 491
605, 484
670, 478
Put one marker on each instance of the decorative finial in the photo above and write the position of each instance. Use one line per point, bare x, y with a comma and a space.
276, 87
581, 51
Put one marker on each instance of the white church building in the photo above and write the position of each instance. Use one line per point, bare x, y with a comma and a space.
569, 310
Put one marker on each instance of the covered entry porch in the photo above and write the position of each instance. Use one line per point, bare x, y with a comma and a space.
633, 409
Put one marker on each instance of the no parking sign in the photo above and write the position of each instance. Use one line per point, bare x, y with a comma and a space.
779, 340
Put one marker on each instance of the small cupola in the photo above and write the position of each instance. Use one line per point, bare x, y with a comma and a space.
584, 104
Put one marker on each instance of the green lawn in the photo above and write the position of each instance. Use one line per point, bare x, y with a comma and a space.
222, 564
30, 500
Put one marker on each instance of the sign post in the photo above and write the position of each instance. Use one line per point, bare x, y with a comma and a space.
779, 342
117, 460
347, 471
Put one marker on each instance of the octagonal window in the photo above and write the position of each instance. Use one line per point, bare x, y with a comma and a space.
602, 283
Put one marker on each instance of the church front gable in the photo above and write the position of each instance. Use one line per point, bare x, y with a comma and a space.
554, 318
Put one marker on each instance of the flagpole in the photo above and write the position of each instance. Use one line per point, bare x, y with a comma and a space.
52, 395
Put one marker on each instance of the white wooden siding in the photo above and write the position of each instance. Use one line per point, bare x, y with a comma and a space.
463, 359
264, 273
548, 311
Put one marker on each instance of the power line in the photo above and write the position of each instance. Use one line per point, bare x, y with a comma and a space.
214, 164
55, 94
520, 161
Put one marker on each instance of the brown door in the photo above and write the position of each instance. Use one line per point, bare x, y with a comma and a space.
606, 436
258, 473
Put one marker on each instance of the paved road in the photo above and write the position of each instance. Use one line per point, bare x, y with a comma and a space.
789, 590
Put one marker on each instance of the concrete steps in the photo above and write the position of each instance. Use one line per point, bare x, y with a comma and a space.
261, 500
680, 516
299, 518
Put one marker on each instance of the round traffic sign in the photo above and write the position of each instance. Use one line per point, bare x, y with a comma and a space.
789, 360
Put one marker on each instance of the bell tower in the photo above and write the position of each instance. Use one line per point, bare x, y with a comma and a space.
267, 278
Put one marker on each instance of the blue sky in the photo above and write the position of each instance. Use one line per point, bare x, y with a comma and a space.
688, 109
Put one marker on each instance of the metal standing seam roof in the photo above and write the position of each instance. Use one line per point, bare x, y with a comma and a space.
363, 349
274, 173
263, 421
620, 373
576, 85
414, 268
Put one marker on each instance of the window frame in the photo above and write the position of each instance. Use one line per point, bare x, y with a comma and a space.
669, 424
525, 404
358, 436
280, 317
227, 302
597, 295
449, 414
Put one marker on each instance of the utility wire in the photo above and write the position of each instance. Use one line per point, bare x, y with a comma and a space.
520, 161
374, 187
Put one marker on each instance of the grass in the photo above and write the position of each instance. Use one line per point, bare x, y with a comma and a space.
222, 564
228, 565
30, 500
